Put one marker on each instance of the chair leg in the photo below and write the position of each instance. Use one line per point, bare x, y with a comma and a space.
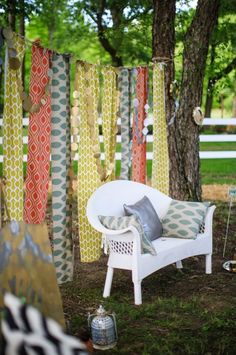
208, 266
137, 293
179, 264
108, 282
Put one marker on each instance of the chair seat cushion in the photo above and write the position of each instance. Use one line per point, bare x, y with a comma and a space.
118, 223
183, 219
148, 217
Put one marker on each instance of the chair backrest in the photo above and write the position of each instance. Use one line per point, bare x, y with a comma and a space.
109, 198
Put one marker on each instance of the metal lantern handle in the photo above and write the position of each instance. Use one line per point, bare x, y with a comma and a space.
114, 322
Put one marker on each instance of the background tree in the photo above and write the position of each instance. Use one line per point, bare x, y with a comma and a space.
131, 32
183, 132
121, 27
13, 14
222, 59
113, 19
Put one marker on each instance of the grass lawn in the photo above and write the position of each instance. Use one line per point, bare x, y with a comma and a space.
218, 171
217, 146
183, 311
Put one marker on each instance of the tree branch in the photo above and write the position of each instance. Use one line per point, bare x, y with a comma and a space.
224, 72
91, 15
117, 60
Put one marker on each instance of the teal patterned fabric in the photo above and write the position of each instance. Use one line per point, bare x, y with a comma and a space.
60, 149
118, 223
183, 219
69, 238
124, 88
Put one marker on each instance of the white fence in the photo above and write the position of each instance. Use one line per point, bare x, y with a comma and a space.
218, 138
203, 138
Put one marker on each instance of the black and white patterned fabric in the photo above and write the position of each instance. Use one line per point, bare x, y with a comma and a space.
25, 331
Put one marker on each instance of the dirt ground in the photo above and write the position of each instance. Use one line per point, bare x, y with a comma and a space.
215, 293
215, 192
220, 288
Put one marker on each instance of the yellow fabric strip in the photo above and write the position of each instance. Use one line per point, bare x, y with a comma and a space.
109, 119
87, 88
160, 161
12, 137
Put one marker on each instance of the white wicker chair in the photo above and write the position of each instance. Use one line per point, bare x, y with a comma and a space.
124, 245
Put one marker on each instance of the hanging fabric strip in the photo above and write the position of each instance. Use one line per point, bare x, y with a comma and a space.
27, 269
124, 88
38, 165
109, 119
87, 93
60, 163
160, 160
69, 178
139, 141
12, 135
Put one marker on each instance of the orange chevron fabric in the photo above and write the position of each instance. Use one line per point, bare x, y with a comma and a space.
139, 144
37, 178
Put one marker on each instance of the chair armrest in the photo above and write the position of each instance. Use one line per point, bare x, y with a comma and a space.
209, 219
101, 228
128, 238
124, 236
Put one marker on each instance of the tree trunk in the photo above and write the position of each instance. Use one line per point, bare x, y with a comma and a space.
214, 78
208, 104
186, 179
234, 107
116, 11
210, 84
184, 133
11, 9
163, 46
22, 33
222, 105
115, 58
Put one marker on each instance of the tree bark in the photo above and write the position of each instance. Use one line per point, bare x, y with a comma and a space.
234, 107
116, 59
11, 9
210, 85
116, 11
208, 104
163, 46
22, 33
186, 179
183, 136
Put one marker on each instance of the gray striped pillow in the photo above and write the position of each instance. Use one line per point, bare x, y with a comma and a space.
117, 223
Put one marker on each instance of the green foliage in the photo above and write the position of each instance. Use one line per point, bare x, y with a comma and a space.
29, 7
57, 29
127, 25
222, 55
124, 27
